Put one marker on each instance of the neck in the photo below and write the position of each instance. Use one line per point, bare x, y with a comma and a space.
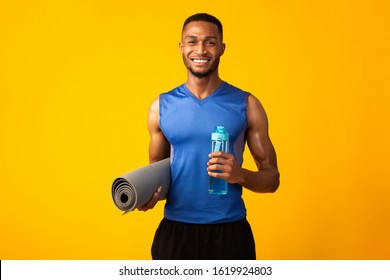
203, 87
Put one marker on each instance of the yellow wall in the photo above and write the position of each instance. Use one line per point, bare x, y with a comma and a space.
76, 81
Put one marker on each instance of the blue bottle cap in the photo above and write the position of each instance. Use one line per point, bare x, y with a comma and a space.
220, 134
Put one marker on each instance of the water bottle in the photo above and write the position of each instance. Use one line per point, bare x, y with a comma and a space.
219, 142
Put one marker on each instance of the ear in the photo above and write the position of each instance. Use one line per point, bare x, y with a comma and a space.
181, 47
223, 47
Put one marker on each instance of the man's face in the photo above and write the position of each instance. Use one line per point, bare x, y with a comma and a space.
201, 47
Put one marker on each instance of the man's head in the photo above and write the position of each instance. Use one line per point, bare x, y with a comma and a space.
201, 45
206, 18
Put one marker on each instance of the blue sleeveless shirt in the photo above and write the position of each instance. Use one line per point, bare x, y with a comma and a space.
187, 122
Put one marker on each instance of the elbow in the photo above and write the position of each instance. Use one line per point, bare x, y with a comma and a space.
274, 188
267, 184
275, 182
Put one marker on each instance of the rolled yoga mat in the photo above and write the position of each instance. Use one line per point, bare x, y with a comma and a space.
136, 188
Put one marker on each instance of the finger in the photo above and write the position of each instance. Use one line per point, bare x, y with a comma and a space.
217, 175
153, 201
215, 167
149, 205
219, 154
217, 160
223, 165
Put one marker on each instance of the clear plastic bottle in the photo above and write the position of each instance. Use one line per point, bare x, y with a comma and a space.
219, 142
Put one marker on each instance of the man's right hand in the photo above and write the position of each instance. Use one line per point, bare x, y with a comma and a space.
152, 202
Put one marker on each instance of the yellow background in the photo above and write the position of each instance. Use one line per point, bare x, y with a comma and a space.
76, 81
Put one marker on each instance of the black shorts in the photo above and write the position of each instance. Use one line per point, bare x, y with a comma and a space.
184, 241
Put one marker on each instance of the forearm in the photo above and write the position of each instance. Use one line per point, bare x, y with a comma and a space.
263, 181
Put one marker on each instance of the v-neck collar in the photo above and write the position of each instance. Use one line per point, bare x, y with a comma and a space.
204, 100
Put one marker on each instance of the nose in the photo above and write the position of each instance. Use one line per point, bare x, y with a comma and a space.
200, 48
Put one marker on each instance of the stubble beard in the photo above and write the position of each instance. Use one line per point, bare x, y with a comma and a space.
206, 73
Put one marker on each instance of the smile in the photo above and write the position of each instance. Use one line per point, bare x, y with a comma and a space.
200, 60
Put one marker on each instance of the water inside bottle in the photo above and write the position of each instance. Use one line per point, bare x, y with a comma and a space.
217, 185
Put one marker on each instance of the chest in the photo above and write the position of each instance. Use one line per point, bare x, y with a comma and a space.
186, 121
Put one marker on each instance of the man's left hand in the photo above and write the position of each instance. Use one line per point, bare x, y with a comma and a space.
227, 164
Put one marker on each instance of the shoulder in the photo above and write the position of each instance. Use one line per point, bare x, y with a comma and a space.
177, 90
254, 102
230, 87
155, 105
256, 114
236, 91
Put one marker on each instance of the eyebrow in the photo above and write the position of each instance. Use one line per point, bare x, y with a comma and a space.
195, 37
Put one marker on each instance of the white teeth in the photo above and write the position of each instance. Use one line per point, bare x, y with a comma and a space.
200, 60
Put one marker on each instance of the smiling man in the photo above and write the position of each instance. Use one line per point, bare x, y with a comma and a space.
201, 62
196, 224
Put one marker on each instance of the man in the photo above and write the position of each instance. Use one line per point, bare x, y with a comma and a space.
196, 224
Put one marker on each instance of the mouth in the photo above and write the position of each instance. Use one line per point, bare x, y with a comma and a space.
200, 60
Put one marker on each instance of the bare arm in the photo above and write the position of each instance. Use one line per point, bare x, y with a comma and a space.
159, 147
266, 178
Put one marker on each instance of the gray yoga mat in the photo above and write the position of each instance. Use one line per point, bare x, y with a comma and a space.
135, 188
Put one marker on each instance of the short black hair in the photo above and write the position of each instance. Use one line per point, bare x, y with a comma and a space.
204, 17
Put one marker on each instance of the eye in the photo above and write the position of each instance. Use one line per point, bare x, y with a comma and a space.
191, 43
209, 43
